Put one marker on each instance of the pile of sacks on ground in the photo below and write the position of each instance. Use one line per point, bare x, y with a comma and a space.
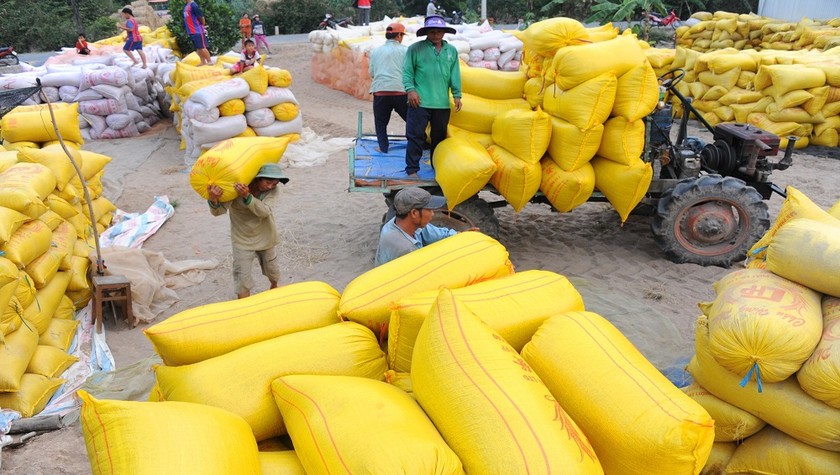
486, 371
212, 105
46, 238
341, 55
784, 92
580, 126
115, 99
767, 363
720, 30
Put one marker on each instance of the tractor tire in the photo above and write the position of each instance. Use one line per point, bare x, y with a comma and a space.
473, 213
711, 220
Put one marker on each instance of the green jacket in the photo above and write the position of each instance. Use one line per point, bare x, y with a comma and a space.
431, 74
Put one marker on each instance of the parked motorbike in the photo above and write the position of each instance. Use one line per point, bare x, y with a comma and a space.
457, 18
332, 22
8, 56
657, 20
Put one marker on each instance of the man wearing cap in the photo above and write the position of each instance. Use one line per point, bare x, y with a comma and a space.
252, 229
410, 230
430, 72
385, 67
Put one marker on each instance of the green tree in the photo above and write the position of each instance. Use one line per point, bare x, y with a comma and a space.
222, 26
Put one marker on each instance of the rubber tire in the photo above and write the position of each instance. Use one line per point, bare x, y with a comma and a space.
474, 212
709, 188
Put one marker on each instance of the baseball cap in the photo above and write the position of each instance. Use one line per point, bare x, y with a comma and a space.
435, 22
395, 28
411, 198
272, 171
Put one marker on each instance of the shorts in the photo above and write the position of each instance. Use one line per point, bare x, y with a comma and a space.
199, 40
133, 45
243, 263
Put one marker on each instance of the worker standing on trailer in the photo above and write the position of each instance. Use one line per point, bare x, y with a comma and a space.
386, 63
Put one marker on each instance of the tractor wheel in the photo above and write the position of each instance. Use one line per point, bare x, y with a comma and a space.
711, 220
473, 213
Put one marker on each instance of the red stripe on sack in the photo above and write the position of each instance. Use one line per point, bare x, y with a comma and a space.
105, 438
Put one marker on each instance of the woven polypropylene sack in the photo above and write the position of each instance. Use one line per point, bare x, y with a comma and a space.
489, 84
17, 350
55, 159
279, 77
513, 306
50, 361
485, 140
257, 79
807, 252
211, 330
637, 92
27, 243
623, 140
41, 310
518, 181
239, 381
771, 451
820, 374
576, 64
788, 77
784, 405
477, 113
232, 161
44, 267
59, 333
487, 402
623, 185
126, 437
585, 105
333, 432
731, 423
762, 326
570, 147
523, 133
457, 261
546, 37
34, 393
24, 186
566, 190
64, 237
285, 462
637, 421
35, 125
462, 168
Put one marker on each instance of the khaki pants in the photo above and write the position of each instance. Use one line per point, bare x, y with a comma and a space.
243, 262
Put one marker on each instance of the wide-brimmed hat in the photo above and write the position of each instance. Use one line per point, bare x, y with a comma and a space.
411, 198
435, 22
272, 171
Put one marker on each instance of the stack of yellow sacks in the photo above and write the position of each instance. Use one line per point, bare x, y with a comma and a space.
545, 387
159, 37
766, 364
45, 240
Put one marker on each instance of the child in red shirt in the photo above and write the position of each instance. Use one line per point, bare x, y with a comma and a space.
81, 45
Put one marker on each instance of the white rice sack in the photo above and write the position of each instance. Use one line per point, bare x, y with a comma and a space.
484, 64
61, 68
259, 118
16, 81
135, 116
83, 123
86, 135
461, 46
512, 65
51, 93
31, 101
118, 121
132, 103
141, 90
113, 76
465, 57
518, 56
277, 129
510, 43
476, 55
93, 60
163, 73
142, 126
129, 131
492, 54
111, 92
102, 107
87, 95
97, 122
68, 93
219, 93
224, 128
505, 57
62, 78
487, 40
272, 97
152, 119
194, 111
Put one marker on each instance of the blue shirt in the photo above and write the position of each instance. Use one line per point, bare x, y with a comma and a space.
192, 19
385, 67
394, 242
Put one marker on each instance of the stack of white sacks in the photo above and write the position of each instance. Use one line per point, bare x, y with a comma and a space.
116, 99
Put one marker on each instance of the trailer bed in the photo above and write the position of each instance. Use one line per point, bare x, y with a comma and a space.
377, 172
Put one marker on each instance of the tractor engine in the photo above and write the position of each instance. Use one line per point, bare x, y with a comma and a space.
742, 150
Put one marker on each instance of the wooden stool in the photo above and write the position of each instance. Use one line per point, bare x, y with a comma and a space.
111, 288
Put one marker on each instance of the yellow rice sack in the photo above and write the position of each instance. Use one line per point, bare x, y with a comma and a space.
485, 140
574, 65
731, 423
185, 73
515, 179
64, 238
34, 394
27, 243
637, 92
547, 36
15, 146
232, 107
623, 140
284, 462
44, 267
783, 405
25, 291
126, 437
585, 105
59, 334
35, 124
477, 113
50, 361
333, 433
571, 147
285, 111
635, 418
65, 310
24, 186
771, 451
40, 311
235, 160
93, 163
566, 190
10, 221
762, 326
457, 261
345, 349
16, 352
489, 405
525, 134
80, 298
604, 32
623, 185
55, 159
820, 374
462, 168
788, 77
211, 330
51, 219
807, 252
279, 77
489, 84
257, 78
513, 306
534, 91
718, 458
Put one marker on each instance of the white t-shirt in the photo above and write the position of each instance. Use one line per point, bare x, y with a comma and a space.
249, 61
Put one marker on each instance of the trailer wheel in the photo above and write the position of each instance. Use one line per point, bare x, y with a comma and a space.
473, 213
711, 220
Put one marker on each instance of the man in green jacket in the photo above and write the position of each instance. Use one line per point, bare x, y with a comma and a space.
430, 72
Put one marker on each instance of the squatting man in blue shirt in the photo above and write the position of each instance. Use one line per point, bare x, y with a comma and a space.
410, 230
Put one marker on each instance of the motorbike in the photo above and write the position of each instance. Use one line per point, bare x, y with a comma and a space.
657, 20
332, 22
8, 56
457, 18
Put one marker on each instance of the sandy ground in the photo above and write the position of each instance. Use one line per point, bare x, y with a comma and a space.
329, 234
